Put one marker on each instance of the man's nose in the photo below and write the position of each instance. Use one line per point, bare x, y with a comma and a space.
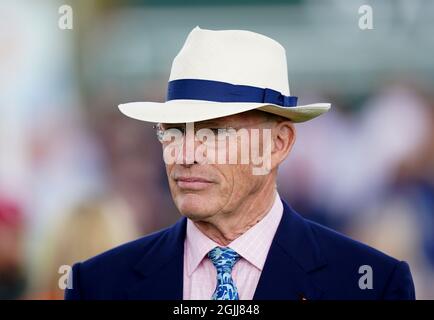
189, 146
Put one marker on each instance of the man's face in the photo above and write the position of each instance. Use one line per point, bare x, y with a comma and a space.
202, 191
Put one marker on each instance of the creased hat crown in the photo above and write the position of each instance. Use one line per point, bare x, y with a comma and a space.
233, 56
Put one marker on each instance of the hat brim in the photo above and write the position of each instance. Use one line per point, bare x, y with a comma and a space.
183, 111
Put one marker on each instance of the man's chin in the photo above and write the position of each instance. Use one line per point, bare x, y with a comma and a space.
193, 206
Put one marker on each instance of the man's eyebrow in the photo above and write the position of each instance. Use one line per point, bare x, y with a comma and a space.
208, 123
171, 125
199, 124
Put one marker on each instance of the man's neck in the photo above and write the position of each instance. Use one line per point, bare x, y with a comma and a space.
230, 226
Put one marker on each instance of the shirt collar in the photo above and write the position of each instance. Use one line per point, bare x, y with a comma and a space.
252, 245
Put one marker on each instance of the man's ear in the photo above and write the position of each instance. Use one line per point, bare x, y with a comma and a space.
283, 139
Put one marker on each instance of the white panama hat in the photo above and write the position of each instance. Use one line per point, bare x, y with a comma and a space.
220, 73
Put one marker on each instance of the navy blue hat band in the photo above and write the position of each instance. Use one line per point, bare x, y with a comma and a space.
209, 90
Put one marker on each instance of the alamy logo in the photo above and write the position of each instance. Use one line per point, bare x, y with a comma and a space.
186, 145
65, 281
366, 21
366, 280
66, 19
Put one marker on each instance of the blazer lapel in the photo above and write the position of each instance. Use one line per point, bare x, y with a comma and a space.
161, 268
294, 255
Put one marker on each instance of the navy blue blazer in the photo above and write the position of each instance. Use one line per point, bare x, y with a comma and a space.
306, 260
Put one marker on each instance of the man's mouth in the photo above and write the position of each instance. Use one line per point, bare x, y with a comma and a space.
192, 183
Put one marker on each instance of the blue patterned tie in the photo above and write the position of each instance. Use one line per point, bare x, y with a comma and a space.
224, 259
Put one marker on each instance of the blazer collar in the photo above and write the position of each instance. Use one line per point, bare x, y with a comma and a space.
294, 255
161, 268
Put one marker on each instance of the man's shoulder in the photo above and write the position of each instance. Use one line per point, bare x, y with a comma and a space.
127, 253
334, 244
109, 274
353, 265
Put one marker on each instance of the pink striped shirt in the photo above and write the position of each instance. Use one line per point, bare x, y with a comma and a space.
253, 246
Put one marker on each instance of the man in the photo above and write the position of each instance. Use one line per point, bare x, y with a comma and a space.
237, 239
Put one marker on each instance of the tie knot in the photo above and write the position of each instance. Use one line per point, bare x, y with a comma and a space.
223, 258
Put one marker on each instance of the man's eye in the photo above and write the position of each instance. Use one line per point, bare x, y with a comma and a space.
176, 128
215, 130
